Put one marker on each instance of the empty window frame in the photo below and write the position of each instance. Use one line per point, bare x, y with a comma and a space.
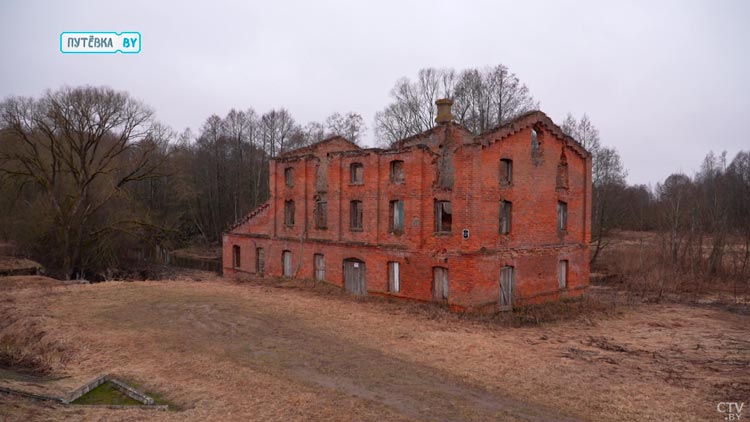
320, 266
236, 256
443, 216
506, 171
562, 216
397, 171
289, 176
260, 261
394, 277
289, 213
396, 216
506, 212
355, 215
357, 171
321, 215
562, 275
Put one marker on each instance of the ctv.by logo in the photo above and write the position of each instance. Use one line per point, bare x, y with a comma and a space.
732, 410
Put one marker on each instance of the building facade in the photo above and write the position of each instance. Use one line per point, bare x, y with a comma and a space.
478, 222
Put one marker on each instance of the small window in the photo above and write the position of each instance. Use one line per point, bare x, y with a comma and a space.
506, 210
260, 261
321, 215
289, 176
506, 171
443, 216
563, 274
396, 217
236, 255
397, 171
289, 213
394, 277
355, 215
562, 172
562, 216
320, 266
357, 173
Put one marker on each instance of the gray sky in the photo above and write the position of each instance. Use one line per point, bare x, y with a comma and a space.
662, 80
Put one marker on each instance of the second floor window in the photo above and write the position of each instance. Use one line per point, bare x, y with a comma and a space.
506, 209
321, 215
443, 216
357, 173
355, 215
397, 171
289, 176
289, 213
506, 171
562, 216
396, 217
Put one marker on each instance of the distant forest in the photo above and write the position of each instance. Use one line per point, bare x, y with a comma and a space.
91, 183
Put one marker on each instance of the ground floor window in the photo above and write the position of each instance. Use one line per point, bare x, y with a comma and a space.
320, 266
394, 277
563, 274
236, 255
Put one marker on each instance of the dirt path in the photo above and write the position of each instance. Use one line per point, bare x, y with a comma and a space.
253, 352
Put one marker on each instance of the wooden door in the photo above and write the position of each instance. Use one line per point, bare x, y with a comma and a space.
320, 267
507, 286
440, 283
286, 261
354, 276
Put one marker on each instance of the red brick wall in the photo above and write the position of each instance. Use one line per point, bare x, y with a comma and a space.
533, 247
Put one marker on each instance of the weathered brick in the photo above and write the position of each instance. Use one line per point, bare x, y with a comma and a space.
444, 163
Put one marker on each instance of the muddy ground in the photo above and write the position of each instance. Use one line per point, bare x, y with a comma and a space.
218, 350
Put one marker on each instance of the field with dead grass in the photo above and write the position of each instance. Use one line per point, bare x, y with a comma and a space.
218, 350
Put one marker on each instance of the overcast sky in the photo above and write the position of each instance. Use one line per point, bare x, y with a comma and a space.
662, 80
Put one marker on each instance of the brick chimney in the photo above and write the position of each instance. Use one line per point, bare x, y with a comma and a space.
444, 110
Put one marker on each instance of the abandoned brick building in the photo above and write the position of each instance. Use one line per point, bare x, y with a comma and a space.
483, 221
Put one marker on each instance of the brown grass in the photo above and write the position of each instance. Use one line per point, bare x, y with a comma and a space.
253, 351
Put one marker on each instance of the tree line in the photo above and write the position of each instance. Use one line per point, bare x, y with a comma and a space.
90, 180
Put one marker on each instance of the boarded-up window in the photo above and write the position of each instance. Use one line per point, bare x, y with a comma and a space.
506, 208
506, 171
355, 215
397, 171
443, 216
321, 215
440, 283
563, 274
289, 176
357, 173
286, 263
236, 256
320, 266
260, 261
396, 216
507, 287
394, 277
289, 212
562, 216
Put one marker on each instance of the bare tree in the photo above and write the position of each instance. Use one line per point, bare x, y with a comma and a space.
80, 147
483, 99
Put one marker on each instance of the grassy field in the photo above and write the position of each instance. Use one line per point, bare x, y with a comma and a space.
253, 351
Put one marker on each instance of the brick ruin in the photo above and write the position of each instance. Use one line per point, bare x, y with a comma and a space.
478, 222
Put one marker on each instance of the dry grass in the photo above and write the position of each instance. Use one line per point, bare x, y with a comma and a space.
256, 351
